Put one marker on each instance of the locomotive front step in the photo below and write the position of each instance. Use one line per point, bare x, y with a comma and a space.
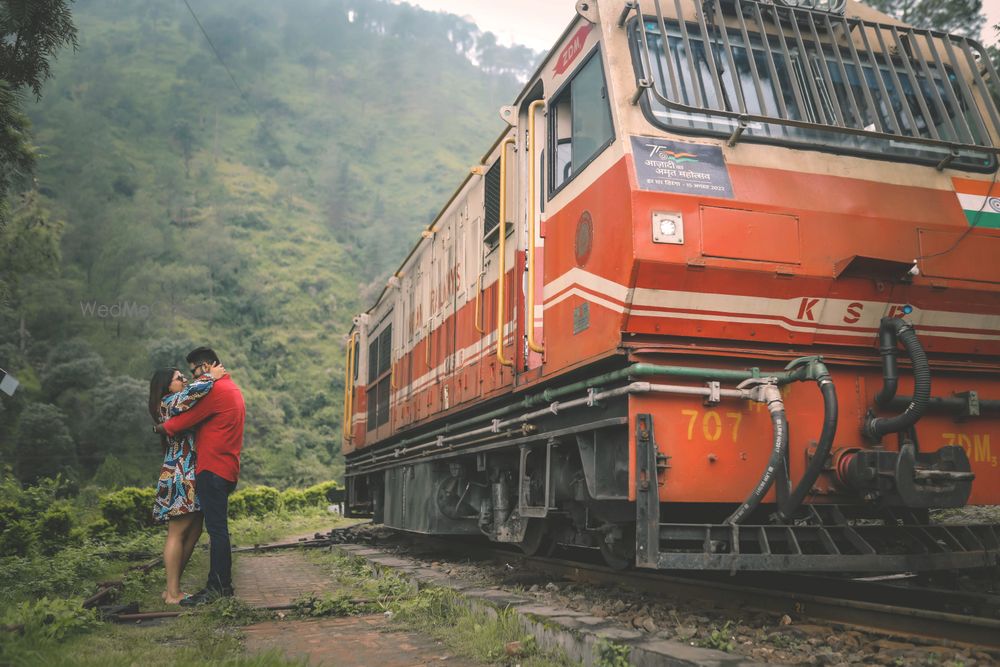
871, 547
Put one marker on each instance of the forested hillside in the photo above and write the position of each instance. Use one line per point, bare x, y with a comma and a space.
176, 204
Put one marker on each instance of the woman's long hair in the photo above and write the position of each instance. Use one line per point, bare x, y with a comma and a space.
159, 386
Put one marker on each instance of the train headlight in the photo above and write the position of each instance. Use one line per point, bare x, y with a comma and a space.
668, 228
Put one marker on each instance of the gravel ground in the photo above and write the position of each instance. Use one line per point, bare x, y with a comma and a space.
760, 636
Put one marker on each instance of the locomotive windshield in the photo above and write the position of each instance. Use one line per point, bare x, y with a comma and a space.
889, 91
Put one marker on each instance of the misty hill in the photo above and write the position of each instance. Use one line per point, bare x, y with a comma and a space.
253, 216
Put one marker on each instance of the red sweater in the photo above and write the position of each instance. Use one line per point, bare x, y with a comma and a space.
218, 419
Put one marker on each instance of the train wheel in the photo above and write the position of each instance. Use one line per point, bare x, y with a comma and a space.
537, 540
618, 554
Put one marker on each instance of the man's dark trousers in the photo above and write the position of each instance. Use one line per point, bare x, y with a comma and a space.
213, 493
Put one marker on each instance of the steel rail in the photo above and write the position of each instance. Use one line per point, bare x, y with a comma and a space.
907, 620
909, 617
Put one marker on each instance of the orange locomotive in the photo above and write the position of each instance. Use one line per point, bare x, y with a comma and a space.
725, 294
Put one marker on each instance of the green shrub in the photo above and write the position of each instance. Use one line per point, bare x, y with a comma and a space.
17, 539
9, 513
73, 570
318, 495
101, 530
321, 494
254, 501
294, 499
113, 473
53, 619
54, 526
129, 508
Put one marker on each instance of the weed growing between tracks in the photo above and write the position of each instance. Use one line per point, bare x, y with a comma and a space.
610, 654
439, 613
720, 639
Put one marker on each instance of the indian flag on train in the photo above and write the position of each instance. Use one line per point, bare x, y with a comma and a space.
980, 200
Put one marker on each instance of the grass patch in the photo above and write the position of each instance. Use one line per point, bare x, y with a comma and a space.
248, 531
74, 570
197, 639
58, 632
488, 637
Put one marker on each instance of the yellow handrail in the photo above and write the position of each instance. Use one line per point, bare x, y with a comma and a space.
479, 308
349, 386
532, 343
502, 251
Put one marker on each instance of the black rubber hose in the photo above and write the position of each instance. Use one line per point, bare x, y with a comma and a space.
890, 370
781, 482
876, 427
780, 425
830, 410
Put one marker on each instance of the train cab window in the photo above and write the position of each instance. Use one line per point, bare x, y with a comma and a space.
379, 378
817, 94
580, 122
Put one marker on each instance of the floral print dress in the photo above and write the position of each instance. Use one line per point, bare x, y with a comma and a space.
175, 490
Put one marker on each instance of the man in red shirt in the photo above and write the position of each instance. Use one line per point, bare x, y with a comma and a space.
217, 420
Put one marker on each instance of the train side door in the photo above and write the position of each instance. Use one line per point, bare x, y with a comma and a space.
500, 271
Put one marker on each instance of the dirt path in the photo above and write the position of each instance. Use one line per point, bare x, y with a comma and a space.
279, 578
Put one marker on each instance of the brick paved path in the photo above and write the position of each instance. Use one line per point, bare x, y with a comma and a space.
277, 578
357, 640
360, 640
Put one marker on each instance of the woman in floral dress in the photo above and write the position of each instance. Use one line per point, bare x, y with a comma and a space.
176, 498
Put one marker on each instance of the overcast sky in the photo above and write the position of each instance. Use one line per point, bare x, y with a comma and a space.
534, 23
537, 23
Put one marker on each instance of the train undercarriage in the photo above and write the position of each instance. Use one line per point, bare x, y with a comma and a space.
587, 465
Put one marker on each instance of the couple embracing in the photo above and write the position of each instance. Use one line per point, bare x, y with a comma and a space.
201, 426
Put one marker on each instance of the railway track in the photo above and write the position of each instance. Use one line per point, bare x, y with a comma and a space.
907, 612
903, 608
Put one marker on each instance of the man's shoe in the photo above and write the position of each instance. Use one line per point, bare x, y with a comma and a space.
204, 596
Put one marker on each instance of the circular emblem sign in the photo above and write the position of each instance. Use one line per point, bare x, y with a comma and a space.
994, 203
584, 238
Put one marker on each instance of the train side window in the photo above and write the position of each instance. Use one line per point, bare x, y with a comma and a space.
379, 378
580, 122
491, 214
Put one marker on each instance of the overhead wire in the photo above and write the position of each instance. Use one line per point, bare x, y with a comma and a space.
218, 56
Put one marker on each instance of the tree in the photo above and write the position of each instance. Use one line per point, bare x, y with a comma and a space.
118, 422
17, 158
72, 365
954, 16
29, 247
42, 444
184, 136
31, 32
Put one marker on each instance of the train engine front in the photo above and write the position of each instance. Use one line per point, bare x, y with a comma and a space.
725, 295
